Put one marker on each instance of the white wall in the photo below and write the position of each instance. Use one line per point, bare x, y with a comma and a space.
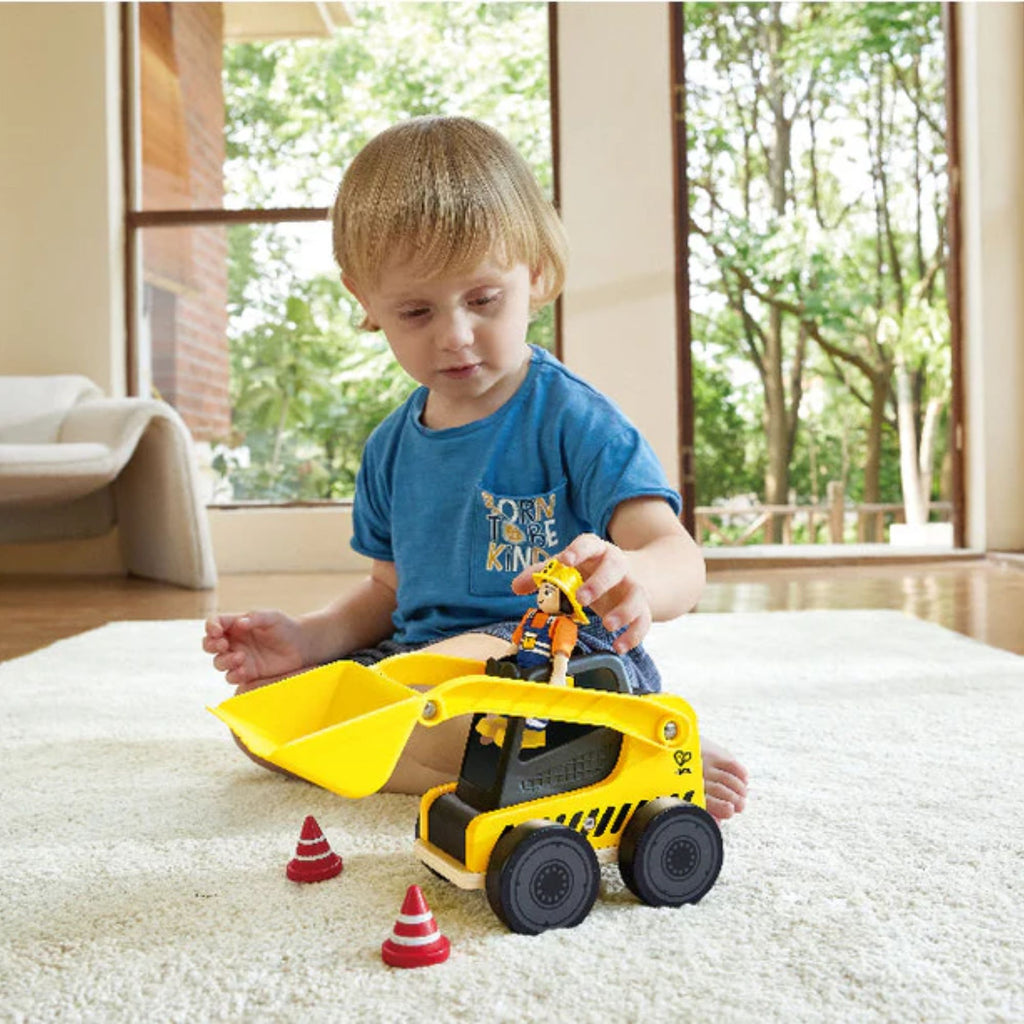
992, 125
61, 248
616, 140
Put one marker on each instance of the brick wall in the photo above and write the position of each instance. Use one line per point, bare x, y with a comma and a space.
185, 269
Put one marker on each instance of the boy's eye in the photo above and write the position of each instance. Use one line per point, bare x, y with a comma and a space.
486, 299
415, 313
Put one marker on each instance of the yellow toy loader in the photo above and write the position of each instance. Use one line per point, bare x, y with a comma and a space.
619, 776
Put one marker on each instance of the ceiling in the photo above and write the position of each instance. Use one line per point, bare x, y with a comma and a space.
247, 22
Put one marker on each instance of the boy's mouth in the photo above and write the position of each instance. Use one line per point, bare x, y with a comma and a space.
460, 372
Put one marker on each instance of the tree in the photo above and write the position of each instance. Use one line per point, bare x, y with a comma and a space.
817, 190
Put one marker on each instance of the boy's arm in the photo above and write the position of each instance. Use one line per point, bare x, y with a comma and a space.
361, 618
662, 556
652, 570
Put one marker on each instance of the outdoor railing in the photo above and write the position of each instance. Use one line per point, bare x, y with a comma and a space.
829, 522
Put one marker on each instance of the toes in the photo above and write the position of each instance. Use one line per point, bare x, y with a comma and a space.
724, 800
720, 809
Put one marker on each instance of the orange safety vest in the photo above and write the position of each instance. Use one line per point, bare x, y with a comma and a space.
545, 635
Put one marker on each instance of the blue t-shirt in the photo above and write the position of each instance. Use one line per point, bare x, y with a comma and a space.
462, 511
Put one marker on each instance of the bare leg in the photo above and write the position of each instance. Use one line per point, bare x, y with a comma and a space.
725, 781
433, 756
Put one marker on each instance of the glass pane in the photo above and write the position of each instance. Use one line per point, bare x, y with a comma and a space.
272, 124
255, 342
818, 185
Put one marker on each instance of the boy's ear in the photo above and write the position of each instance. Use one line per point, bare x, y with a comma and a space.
536, 285
351, 286
368, 323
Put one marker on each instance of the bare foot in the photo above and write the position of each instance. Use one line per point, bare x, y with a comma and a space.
725, 781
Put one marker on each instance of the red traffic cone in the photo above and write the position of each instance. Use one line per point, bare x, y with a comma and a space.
314, 860
415, 940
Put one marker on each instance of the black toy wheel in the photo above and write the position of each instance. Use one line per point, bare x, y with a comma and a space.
670, 853
542, 875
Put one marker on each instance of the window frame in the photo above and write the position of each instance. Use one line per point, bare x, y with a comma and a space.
954, 270
137, 219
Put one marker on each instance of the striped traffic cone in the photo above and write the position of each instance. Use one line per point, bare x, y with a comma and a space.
415, 940
314, 860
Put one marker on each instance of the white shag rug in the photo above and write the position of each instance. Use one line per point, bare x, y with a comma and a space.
878, 873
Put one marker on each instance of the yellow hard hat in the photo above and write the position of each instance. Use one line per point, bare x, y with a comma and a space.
567, 579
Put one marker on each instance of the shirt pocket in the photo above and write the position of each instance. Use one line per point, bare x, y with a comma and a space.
511, 532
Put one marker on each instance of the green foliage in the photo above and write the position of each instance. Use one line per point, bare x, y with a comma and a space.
307, 385
818, 192
726, 451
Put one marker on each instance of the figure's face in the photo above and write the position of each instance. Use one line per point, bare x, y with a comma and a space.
549, 599
463, 336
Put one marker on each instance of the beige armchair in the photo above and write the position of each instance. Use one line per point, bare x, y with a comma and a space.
73, 463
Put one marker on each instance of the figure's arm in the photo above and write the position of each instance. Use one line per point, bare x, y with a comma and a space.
650, 571
559, 667
517, 633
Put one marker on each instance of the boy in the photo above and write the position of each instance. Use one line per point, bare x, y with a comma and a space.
501, 459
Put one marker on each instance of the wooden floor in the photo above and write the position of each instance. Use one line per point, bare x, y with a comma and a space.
980, 598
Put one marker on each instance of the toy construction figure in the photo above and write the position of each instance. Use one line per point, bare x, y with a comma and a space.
546, 636
547, 633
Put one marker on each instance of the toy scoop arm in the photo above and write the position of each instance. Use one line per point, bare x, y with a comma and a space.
344, 726
664, 720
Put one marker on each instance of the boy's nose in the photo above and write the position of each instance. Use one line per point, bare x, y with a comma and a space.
456, 331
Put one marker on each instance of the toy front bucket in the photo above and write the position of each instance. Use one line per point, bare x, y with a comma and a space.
341, 726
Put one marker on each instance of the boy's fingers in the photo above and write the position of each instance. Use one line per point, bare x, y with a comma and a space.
228, 661
261, 619
634, 635
584, 547
605, 577
631, 608
523, 583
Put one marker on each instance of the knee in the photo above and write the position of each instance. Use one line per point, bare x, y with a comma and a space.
262, 762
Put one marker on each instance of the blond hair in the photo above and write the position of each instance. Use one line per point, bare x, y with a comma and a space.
448, 192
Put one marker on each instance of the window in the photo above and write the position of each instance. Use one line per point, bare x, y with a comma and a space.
819, 226
242, 131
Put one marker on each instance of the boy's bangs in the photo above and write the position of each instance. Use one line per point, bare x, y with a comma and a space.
441, 248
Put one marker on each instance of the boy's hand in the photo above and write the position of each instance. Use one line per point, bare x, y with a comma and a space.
254, 646
608, 588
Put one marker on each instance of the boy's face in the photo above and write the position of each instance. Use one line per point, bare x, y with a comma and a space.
462, 336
